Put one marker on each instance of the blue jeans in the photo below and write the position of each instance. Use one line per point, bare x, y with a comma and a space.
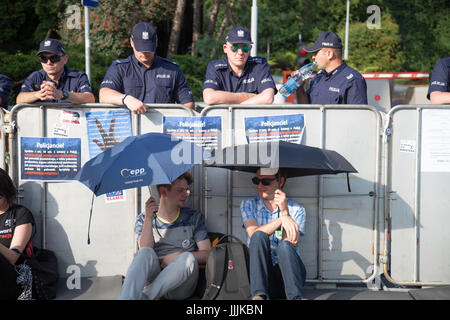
265, 278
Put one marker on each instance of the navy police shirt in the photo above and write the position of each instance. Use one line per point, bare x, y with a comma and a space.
5, 88
163, 82
343, 85
71, 81
440, 79
255, 78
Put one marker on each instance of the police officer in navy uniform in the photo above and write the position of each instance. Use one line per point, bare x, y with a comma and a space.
336, 82
55, 82
5, 89
238, 78
144, 77
439, 88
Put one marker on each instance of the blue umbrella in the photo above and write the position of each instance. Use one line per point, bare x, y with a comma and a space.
144, 160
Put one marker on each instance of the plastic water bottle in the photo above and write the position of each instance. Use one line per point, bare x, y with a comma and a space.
294, 82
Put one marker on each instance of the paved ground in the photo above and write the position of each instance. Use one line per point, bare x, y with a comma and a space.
108, 288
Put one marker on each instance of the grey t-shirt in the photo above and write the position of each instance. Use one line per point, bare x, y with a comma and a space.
180, 235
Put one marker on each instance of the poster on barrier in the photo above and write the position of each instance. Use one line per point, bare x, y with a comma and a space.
204, 131
52, 159
435, 140
288, 128
104, 130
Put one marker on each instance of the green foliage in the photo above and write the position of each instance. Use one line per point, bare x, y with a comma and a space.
281, 61
25, 23
18, 66
375, 50
194, 69
414, 33
99, 64
111, 23
209, 48
424, 29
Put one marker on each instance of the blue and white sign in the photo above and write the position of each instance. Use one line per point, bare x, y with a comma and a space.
203, 131
49, 159
90, 3
275, 128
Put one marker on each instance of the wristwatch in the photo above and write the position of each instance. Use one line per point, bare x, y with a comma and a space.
65, 94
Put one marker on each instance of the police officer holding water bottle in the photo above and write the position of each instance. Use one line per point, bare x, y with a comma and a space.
336, 82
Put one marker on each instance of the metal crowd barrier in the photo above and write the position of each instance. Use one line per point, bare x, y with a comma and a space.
392, 223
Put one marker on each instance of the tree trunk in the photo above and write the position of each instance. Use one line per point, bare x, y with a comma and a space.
176, 27
219, 36
196, 25
229, 6
213, 17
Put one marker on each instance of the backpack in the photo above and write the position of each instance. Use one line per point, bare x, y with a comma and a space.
227, 271
44, 269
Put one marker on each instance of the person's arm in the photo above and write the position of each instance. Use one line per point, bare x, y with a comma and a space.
265, 97
51, 92
6, 85
211, 96
203, 250
439, 97
111, 96
357, 92
183, 93
189, 105
22, 235
30, 97
146, 239
290, 227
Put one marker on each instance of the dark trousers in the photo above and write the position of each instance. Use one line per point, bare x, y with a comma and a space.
9, 289
285, 280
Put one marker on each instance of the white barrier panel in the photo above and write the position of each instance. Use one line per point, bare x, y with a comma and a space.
341, 240
61, 209
417, 180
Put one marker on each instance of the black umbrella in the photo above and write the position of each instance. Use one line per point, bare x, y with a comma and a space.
296, 159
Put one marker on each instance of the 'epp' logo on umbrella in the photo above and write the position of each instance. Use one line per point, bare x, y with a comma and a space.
127, 173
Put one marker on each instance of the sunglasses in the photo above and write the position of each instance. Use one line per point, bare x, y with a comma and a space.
53, 59
244, 47
265, 181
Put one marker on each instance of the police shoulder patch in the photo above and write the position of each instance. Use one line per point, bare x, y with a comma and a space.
256, 60
121, 61
220, 65
169, 61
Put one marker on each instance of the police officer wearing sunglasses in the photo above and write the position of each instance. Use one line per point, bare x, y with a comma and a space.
55, 82
238, 78
273, 225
